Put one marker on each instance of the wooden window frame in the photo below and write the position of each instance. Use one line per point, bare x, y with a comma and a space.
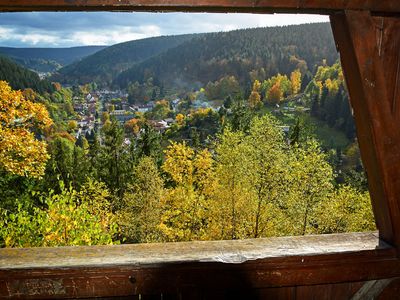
367, 35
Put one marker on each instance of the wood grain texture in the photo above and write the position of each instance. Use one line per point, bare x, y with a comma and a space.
291, 6
369, 48
231, 252
189, 268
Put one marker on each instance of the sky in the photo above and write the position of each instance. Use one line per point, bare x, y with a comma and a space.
61, 29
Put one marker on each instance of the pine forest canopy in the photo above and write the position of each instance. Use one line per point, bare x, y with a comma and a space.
20, 78
104, 65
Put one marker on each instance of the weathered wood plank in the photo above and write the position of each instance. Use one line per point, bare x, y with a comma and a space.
292, 6
175, 268
236, 251
370, 48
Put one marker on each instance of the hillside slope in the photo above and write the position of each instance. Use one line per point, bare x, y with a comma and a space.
104, 65
245, 54
20, 78
48, 59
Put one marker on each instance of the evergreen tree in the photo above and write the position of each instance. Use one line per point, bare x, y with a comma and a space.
114, 163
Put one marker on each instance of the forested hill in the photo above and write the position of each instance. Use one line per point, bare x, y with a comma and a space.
20, 78
104, 65
246, 54
48, 59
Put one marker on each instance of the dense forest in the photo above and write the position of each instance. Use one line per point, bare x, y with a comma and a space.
267, 151
48, 59
20, 78
104, 65
246, 54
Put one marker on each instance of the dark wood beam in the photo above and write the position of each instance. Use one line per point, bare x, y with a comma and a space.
370, 55
290, 6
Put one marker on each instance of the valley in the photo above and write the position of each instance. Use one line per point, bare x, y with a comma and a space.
226, 135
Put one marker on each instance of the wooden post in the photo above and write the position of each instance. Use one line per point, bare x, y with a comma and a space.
370, 47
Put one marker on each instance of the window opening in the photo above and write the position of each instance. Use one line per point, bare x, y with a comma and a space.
194, 135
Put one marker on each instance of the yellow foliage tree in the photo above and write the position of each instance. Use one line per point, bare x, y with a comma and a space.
332, 86
255, 100
295, 80
180, 119
232, 206
186, 205
140, 211
347, 209
20, 152
72, 125
256, 86
179, 163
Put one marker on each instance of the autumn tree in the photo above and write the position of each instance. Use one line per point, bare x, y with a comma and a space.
255, 98
226, 86
311, 182
140, 213
132, 127
180, 119
232, 205
105, 117
72, 125
346, 210
21, 152
275, 93
251, 172
185, 208
295, 80
160, 111
276, 88
269, 174
68, 218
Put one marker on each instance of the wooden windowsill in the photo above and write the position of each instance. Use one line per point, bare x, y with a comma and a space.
236, 251
123, 270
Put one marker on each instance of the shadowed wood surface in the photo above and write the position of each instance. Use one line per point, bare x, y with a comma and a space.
291, 6
370, 48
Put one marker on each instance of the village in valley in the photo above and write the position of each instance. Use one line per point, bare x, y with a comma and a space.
91, 109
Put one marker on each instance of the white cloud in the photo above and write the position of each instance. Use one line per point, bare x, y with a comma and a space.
5, 31
106, 28
31, 38
36, 38
116, 34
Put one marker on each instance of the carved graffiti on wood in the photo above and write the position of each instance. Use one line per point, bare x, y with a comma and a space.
32, 287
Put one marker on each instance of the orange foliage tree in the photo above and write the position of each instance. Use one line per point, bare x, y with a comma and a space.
275, 94
133, 126
20, 152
